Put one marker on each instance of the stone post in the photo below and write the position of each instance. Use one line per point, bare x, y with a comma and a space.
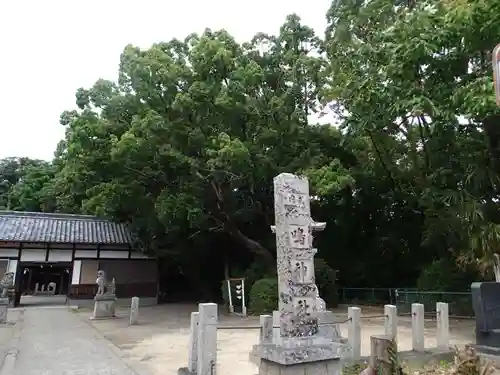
417, 327
354, 332
207, 339
391, 321
443, 325
193, 343
3, 312
380, 354
276, 326
134, 311
266, 329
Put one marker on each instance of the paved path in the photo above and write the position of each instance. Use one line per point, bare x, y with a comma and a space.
55, 341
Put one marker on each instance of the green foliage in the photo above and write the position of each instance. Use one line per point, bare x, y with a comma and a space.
264, 296
326, 282
444, 275
25, 185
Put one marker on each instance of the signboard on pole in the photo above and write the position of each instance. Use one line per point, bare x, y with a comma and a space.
496, 72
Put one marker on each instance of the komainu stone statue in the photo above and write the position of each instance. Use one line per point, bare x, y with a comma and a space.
103, 287
6, 283
101, 283
105, 298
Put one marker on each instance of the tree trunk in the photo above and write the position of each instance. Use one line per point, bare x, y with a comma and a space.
251, 245
232, 229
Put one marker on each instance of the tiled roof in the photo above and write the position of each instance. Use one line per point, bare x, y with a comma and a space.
61, 228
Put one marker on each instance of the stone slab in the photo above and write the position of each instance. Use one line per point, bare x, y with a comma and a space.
487, 350
326, 325
104, 308
302, 351
486, 304
326, 367
105, 297
185, 371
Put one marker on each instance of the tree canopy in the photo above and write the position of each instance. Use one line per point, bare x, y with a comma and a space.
184, 144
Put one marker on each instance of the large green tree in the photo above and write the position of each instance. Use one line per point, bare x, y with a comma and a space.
21, 181
414, 80
186, 143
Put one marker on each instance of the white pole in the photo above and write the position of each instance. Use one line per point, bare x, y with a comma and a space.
354, 331
443, 325
231, 307
243, 306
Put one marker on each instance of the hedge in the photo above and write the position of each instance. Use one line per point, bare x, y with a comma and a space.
264, 296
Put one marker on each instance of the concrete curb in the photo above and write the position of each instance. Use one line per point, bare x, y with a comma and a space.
12, 352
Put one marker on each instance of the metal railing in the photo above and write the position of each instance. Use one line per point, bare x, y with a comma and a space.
367, 296
459, 303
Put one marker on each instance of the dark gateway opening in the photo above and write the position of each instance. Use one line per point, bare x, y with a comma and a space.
45, 279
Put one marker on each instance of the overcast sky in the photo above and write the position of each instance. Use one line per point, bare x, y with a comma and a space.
50, 48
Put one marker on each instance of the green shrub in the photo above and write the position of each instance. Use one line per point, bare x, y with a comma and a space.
264, 296
444, 275
254, 272
325, 281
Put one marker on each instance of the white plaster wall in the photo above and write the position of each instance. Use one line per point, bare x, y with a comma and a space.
86, 254
138, 255
77, 269
60, 255
110, 254
33, 255
6, 253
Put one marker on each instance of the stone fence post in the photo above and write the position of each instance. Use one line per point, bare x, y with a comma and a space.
266, 329
391, 321
193, 343
207, 339
443, 325
134, 311
354, 332
417, 327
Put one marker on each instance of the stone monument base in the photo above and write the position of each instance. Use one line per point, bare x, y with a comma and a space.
104, 307
293, 351
185, 371
4, 304
326, 367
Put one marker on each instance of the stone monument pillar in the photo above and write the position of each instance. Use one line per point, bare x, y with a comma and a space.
105, 298
300, 342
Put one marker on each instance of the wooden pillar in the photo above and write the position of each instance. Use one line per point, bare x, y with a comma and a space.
63, 271
30, 275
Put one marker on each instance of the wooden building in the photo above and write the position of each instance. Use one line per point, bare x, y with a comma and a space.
67, 251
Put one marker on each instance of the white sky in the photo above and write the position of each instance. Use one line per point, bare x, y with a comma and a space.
50, 48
